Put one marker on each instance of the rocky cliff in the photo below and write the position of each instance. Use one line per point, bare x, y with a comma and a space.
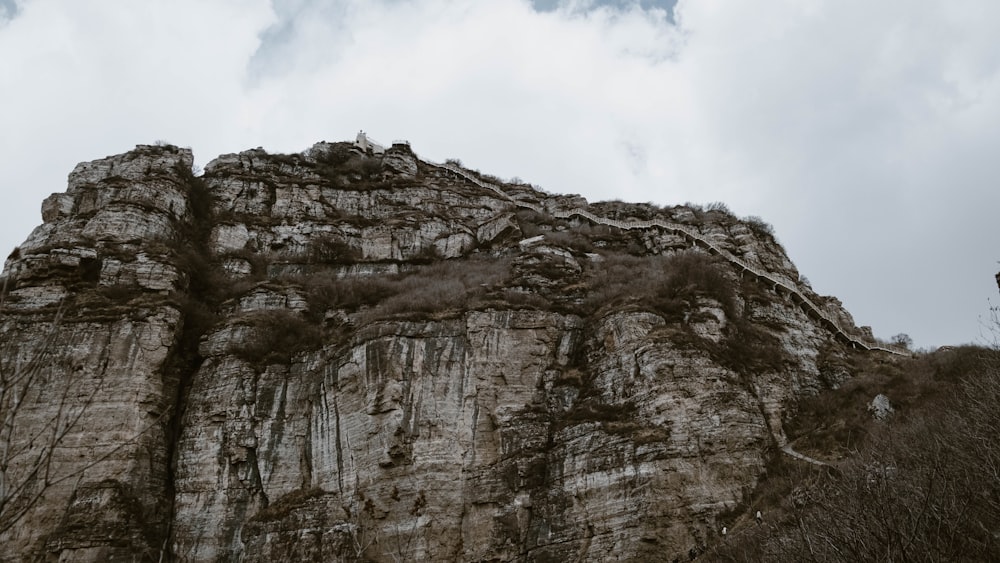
344, 356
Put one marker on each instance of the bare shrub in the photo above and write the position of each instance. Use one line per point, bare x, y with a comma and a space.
759, 227
533, 223
749, 348
693, 274
719, 212
572, 239
277, 337
332, 156
925, 486
718, 206
347, 169
621, 278
515, 299
669, 285
442, 286
330, 248
427, 254
902, 340
325, 293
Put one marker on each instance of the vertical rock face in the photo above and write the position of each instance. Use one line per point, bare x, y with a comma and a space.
342, 357
88, 332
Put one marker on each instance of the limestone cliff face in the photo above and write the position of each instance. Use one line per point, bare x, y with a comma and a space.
338, 356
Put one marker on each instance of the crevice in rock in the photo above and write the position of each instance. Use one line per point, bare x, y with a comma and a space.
340, 447
198, 307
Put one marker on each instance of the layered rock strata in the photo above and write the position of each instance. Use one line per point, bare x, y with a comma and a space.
338, 356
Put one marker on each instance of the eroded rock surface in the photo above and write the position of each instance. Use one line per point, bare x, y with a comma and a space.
336, 356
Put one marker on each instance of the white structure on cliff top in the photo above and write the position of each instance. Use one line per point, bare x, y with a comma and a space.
364, 143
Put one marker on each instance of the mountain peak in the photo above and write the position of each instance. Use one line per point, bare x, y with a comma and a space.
419, 360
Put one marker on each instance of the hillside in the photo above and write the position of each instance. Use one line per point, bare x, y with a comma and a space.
916, 483
357, 355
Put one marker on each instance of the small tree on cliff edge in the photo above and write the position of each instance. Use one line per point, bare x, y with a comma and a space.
903, 340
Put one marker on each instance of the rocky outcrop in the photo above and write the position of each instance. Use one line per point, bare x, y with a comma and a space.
880, 408
341, 356
90, 339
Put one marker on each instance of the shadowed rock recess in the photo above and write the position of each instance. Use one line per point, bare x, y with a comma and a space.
349, 356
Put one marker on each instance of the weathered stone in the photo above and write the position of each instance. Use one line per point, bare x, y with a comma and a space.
880, 408
496, 227
242, 396
56, 206
401, 161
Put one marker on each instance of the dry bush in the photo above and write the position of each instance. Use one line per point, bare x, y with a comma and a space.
922, 487
444, 285
621, 278
334, 155
693, 274
533, 223
345, 168
759, 227
325, 293
836, 421
575, 240
750, 348
520, 299
668, 285
448, 285
332, 249
720, 207
277, 337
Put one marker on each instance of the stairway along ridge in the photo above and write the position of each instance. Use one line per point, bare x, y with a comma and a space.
696, 239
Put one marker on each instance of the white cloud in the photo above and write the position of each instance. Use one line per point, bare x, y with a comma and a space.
856, 121
865, 132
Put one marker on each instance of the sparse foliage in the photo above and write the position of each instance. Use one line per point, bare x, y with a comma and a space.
277, 336
718, 206
923, 487
760, 227
902, 339
669, 285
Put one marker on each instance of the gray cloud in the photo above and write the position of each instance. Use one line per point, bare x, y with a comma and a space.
8, 9
865, 132
667, 6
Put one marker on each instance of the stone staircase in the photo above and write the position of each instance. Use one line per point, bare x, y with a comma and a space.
696, 239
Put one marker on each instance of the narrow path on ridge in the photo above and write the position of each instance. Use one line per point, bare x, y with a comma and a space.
696, 239
787, 449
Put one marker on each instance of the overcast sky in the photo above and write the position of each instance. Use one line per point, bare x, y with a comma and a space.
867, 133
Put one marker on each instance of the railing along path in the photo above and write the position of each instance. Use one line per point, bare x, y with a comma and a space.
697, 239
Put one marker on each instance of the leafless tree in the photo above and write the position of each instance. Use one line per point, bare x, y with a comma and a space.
925, 488
41, 407
28, 435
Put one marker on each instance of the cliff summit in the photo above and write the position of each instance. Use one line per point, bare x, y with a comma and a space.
354, 354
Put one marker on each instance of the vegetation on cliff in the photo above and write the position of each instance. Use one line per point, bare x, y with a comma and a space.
413, 364
920, 485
